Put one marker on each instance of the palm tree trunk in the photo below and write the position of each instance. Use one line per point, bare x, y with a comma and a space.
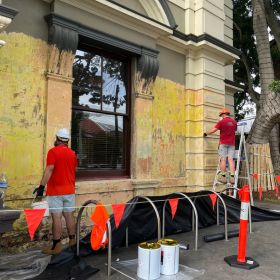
263, 49
267, 115
273, 21
274, 148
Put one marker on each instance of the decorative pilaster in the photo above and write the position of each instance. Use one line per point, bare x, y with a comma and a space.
63, 42
205, 97
147, 69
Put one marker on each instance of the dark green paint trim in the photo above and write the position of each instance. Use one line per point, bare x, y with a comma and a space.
169, 14
235, 84
81, 30
208, 38
9, 12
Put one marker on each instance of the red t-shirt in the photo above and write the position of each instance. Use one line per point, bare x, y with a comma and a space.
227, 127
62, 180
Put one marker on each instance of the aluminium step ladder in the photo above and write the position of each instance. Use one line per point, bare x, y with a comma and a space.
240, 156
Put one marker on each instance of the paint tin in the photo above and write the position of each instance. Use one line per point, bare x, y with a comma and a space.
169, 256
148, 261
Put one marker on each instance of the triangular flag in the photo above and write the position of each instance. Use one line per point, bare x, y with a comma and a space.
276, 191
213, 198
173, 204
278, 179
118, 210
260, 192
33, 219
256, 176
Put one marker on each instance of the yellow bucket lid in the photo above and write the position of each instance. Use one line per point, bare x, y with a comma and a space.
168, 242
151, 245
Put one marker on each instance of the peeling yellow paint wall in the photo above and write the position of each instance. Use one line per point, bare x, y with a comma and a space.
143, 135
168, 115
23, 63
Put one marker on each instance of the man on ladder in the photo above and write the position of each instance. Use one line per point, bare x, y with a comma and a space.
227, 127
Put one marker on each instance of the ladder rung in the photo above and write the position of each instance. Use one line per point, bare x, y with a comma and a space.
241, 158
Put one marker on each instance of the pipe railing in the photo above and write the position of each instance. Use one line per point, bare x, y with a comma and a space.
195, 214
109, 229
108, 232
218, 213
157, 215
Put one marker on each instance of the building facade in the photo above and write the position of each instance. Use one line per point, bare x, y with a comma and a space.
136, 81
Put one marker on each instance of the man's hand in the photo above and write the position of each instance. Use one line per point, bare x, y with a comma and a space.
39, 191
204, 134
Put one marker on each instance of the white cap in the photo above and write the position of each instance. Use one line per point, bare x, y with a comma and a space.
63, 133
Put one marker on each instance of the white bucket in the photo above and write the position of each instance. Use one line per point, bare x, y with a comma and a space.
148, 261
41, 205
169, 256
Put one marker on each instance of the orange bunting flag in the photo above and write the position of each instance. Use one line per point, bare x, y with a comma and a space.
118, 210
276, 191
98, 234
278, 179
260, 192
256, 176
33, 218
173, 204
213, 198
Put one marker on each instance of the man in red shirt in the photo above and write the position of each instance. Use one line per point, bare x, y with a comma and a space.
59, 176
227, 127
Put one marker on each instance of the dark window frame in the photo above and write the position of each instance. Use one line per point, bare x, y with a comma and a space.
93, 174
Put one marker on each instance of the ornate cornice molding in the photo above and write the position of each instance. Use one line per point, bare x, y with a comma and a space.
207, 38
65, 27
167, 19
168, 12
64, 36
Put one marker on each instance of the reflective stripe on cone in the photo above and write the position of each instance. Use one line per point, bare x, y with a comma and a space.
244, 213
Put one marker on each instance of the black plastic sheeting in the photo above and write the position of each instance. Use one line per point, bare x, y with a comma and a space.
142, 222
67, 266
142, 225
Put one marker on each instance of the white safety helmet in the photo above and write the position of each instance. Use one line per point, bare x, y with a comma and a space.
63, 134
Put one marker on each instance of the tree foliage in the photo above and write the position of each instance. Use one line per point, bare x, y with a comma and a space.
246, 70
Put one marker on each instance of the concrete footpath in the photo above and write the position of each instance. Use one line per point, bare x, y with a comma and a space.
263, 246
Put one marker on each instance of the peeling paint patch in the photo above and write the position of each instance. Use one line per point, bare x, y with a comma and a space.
168, 131
22, 112
145, 165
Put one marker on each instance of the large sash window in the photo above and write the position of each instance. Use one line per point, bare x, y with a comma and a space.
100, 113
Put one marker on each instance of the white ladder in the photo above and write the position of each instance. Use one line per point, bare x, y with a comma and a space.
241, 156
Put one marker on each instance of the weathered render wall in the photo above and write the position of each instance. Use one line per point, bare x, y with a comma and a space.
169, 134
22, 111
169, 152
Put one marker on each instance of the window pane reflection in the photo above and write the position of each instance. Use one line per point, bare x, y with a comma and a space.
87, 85
98, 140
114, 91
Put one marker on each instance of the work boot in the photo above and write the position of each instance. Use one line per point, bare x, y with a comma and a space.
72, 242
53, 250
231, 179
222, 178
